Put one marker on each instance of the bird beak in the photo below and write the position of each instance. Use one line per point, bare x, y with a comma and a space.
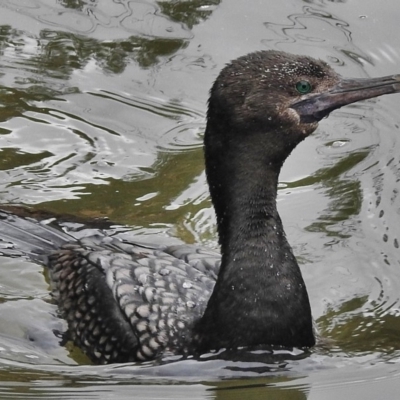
314, 107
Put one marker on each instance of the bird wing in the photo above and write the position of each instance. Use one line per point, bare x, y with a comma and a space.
125, 302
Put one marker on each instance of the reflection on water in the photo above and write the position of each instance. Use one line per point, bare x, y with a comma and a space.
57, 55
188, 12
102, 115
304, 21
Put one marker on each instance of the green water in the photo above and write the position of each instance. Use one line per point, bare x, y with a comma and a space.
102, 112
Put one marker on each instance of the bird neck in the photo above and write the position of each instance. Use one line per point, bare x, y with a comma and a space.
260, 296
250, 222
243, 180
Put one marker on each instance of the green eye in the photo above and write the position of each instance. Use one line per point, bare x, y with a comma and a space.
303, 87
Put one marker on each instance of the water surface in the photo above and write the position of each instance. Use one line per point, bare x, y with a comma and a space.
102, 115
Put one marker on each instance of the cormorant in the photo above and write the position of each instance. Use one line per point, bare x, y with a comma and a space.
124, 302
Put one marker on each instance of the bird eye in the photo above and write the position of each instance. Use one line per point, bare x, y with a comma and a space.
303, 87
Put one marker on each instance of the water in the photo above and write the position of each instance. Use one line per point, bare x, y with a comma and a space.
102, 115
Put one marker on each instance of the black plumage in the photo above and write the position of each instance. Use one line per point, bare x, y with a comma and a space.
126, 302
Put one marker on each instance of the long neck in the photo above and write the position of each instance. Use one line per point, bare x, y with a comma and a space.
260, 296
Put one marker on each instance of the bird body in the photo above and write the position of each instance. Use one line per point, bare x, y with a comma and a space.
126, 302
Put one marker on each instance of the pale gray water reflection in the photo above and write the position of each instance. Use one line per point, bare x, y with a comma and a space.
102, 111
310, 19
